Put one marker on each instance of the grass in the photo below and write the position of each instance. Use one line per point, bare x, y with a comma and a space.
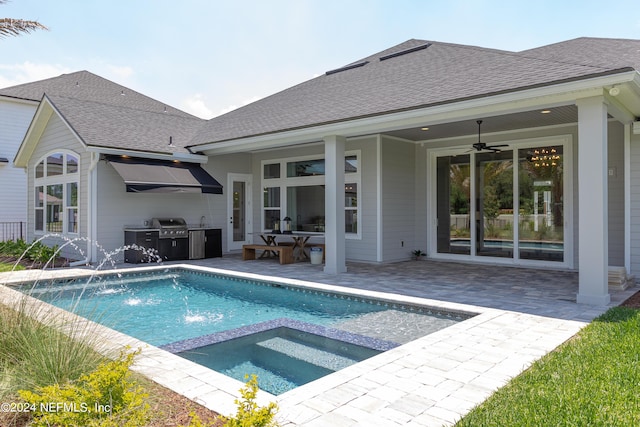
591, 380
36, 353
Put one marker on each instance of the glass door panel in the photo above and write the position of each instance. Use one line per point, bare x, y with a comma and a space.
239, 211
494, 206
541, 223
453, 204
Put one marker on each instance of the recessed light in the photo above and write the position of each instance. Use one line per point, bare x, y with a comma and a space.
545, 111
424, 128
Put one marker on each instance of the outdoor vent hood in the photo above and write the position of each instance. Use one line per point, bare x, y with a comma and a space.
163, 176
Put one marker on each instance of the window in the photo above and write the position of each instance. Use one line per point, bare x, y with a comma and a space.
351, 207
300, 194
56, 194
271, 207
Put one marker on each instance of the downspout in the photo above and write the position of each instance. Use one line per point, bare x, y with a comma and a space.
91, 200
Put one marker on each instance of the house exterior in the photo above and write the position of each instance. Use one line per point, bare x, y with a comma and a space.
471, 154
15, 116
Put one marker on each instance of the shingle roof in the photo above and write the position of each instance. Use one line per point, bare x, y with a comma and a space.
106, 114
87, 86
441, 73
120, 127
609, 53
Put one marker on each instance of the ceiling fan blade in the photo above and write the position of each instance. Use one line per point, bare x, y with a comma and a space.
499, 145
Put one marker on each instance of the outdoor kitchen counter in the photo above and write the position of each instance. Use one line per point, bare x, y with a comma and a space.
169, 248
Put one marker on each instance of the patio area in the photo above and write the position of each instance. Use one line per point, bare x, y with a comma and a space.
522, 314
542, 292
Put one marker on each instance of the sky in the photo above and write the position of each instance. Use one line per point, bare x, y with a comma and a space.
208, 57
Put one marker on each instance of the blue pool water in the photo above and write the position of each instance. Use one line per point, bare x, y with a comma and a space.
189, 313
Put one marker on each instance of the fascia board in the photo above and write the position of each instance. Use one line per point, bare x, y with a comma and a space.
561, 94
15, 100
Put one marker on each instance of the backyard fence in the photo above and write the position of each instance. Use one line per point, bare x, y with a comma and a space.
13, 231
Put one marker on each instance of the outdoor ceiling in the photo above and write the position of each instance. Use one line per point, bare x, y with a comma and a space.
523, 120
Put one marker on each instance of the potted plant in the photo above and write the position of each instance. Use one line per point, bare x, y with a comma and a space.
417, 254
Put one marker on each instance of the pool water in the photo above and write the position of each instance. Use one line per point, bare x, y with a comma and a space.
176, 308
282, 358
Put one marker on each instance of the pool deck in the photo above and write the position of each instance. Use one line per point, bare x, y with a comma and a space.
433, 381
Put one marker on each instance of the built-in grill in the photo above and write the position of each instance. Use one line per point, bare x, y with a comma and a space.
170, 227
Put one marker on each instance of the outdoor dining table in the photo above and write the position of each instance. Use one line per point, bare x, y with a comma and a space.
299, 243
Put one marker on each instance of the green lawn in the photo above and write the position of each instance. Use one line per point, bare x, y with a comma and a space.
591, 380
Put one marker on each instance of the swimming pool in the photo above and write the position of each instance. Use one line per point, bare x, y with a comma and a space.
190, 312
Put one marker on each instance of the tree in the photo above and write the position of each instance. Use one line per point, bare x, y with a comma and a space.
15, 27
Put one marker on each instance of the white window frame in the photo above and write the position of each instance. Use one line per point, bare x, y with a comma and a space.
566, 141
302, 181
64, 179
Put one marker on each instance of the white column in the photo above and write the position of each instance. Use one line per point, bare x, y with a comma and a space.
334, 204
593, 233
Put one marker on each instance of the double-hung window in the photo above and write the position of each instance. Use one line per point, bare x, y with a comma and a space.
56, 193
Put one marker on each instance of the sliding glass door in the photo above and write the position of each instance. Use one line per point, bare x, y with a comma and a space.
541, 194
506, 204
494, 206
454, 204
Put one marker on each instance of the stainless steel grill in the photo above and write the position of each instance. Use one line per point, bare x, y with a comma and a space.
170, 227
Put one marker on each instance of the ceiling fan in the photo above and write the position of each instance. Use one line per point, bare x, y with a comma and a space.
481, 146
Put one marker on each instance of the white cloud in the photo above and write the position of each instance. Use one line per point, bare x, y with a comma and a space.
15, 74
195, 105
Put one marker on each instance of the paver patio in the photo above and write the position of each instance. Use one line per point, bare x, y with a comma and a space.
432, 381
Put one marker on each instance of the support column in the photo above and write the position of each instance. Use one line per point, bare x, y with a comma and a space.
334, 204
593, 233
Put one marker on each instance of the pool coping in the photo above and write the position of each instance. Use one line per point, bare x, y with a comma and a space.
433, 380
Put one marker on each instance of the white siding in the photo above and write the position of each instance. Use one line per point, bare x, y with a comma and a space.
398, 199
365, 248
15, 118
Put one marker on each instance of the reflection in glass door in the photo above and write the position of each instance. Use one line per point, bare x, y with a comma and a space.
478, 212
454, 204
239, 210
494, 206
541, 223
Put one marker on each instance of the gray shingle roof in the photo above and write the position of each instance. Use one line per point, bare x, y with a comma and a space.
106, 114
441, 73
87, 86
121, 127
609, 53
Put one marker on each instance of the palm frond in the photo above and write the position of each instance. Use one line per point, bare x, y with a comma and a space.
15, 27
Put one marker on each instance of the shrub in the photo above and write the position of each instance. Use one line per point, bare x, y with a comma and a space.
37, 252
35, 354
105, 397
249, 414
